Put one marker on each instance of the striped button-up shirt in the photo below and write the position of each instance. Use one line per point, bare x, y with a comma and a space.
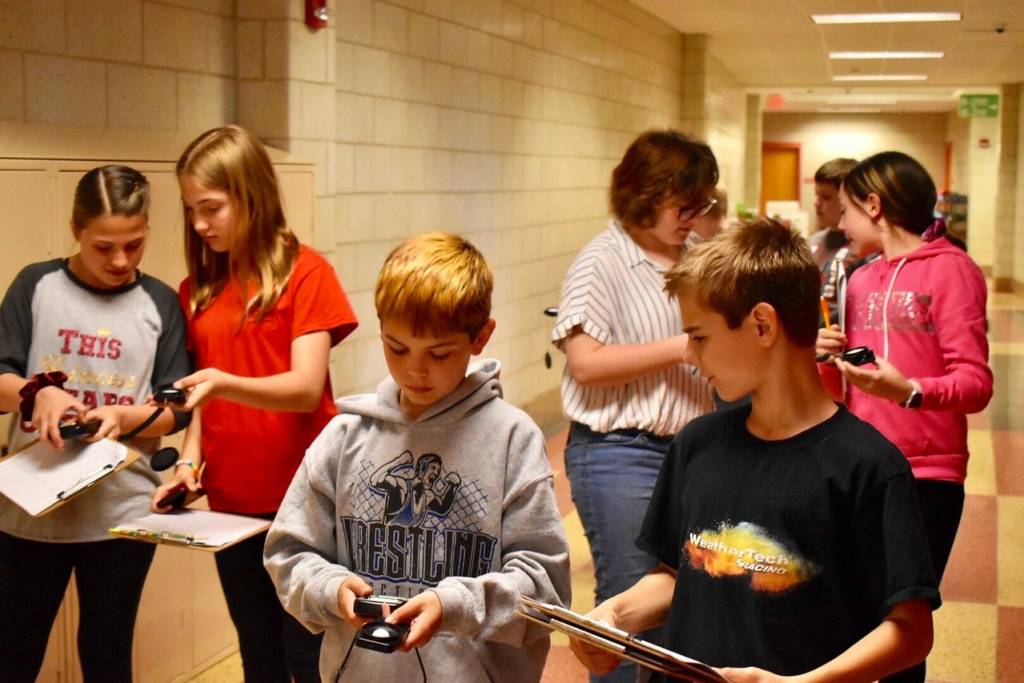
616, 294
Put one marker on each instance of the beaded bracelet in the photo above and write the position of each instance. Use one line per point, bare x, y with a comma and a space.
38, 382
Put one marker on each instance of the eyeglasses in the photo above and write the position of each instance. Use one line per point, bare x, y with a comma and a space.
688, 214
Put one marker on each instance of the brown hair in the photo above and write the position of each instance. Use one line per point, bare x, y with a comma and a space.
436, 282
834, 172
230, 159
109, 191
906, 191
761, 260
660, 164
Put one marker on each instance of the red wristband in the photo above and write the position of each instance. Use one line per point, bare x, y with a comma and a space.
38, 382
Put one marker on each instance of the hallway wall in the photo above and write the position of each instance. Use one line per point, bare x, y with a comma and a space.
498, 120
120, 63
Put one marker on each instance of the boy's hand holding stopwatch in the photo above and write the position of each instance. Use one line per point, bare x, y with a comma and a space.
423, 614
351, 588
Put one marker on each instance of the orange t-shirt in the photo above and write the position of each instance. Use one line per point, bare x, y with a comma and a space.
251, 454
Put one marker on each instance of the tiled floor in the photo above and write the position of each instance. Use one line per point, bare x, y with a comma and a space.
980, 627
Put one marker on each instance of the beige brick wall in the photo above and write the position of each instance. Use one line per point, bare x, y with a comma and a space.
958, 132
165, 65
982, 190
1006, 189
726, 127
752, 164
498, 120
1018, 236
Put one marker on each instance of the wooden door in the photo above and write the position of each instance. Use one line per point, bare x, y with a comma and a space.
780, 172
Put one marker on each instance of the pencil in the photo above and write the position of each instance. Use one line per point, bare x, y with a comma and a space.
824, 313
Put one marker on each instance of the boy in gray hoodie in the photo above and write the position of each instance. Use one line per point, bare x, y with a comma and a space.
434, 489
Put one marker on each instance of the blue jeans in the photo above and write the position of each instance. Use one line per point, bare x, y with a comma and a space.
612, 476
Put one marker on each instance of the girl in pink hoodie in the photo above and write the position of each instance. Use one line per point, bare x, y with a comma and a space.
921, 309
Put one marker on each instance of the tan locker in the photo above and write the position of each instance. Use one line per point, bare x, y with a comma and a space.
183, 625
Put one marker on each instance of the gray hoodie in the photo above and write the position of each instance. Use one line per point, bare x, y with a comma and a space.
459, 501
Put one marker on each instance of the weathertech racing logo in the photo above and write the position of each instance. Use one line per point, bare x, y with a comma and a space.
748, 550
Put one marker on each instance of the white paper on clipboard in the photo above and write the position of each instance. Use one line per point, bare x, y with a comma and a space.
201, 529
41, 477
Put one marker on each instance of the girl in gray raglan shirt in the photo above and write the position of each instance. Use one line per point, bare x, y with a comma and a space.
459, 501
116, 334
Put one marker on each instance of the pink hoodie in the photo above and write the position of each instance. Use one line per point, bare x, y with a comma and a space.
924, 313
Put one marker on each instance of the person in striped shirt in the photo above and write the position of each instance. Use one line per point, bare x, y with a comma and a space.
625, 387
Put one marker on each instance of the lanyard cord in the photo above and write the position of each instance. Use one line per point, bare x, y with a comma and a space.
142, 425
344, 662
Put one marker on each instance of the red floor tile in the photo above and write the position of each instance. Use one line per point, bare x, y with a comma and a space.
1010, 644
971, 572
1008, 451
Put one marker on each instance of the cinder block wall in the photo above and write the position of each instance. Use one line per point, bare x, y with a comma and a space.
120, 63
498, 120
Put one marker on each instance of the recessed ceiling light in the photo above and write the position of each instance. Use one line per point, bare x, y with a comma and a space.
884, 17
881, 77
886, 55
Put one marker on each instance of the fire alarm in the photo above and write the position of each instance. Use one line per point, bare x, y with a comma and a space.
984, 143
317, 14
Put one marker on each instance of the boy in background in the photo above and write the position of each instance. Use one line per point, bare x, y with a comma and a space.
433, 489
787, 530
829, 244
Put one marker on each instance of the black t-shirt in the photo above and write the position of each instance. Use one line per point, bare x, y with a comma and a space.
790, 551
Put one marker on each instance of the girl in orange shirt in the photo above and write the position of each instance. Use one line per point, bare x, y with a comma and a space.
263, 312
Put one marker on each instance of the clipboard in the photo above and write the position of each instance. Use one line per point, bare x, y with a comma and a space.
618, 642
40, 478
191, 528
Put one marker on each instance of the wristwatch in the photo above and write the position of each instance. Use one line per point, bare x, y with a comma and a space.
914, 400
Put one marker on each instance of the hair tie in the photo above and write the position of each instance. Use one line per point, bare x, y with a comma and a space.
936, 230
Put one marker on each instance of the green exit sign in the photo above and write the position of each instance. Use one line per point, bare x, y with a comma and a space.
978, 106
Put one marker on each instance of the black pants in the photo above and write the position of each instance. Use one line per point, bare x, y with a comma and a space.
942, 505
109, 576
274, 646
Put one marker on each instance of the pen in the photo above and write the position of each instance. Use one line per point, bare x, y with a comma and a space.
158, 536
824, 313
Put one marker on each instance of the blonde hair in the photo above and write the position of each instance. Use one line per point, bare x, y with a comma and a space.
436, 282
760, 260
230, 159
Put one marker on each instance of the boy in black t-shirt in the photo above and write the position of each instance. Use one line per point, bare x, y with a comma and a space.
787, 530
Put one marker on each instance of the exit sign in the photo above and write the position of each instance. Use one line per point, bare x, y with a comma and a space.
978, 106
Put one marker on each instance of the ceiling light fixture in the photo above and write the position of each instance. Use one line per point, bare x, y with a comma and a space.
881, 77
884, 17
886, 55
